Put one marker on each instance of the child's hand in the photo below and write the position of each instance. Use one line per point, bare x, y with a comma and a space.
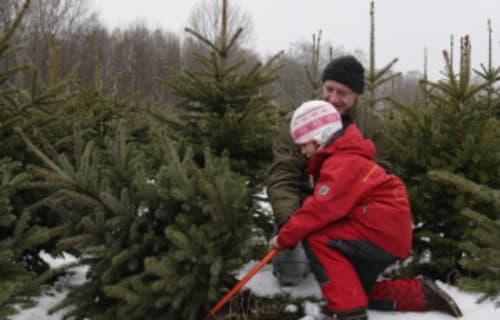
273, 243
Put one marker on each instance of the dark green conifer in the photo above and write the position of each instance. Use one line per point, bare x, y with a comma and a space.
481, 258
19, 278
21, 270
156, 241
224, 105
453, 132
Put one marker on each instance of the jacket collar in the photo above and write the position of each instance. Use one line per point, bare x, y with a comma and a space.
347, 141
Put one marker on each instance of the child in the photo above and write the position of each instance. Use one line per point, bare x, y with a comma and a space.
356, 223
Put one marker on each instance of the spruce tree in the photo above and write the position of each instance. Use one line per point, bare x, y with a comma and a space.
456, 133
19, 278
224, 105
22, 272
156, 241
25, 228
312, 70
489, 74
39, 109
481, 258
371, 109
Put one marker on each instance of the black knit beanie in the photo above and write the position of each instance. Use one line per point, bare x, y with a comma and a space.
348, 71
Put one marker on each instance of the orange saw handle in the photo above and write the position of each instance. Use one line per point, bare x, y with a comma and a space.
242, 282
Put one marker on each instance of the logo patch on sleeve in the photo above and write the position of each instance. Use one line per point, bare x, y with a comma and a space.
323, 190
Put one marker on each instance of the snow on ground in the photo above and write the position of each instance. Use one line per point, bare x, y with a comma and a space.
52, 297
264, 284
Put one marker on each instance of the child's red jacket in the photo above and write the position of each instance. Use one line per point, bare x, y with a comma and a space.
353, 198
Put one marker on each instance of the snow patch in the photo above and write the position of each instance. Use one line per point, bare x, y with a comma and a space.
264, 284
291, 308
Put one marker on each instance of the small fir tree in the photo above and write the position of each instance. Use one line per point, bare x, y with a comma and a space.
39, 110
481, 259
454, 132
312, 70
489, 74
224, 105
371, 110
18, 279
22, 272
156, 245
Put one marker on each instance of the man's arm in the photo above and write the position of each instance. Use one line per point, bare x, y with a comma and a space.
287, 182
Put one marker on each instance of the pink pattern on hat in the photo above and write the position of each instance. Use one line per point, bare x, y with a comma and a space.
314, 124
314, 120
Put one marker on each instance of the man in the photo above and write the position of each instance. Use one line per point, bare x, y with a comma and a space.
343, 84
288, 185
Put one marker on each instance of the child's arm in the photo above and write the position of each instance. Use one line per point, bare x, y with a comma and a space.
340, 186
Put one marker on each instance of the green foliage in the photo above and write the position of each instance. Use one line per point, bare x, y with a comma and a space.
160, 221
156, 243
224, 107
18, 280
454, 133
22, 272
50, 111
481, 259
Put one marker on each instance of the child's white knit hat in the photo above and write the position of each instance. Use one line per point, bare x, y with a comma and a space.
314, 120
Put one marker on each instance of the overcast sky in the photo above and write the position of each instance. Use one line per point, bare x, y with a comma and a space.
403, 27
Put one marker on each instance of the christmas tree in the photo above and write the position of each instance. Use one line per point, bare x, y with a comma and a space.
38, 110
156, 244
224, 105
22, 272
481, 259
19, 277
454, 132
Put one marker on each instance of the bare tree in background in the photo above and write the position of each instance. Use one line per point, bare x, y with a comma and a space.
293, 85
406, 88
58, 17
205, 18
8, 10
43, 20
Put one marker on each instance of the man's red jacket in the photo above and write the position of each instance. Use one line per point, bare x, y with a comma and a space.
353, 198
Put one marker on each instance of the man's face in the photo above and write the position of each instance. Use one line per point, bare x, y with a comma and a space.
341, 96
